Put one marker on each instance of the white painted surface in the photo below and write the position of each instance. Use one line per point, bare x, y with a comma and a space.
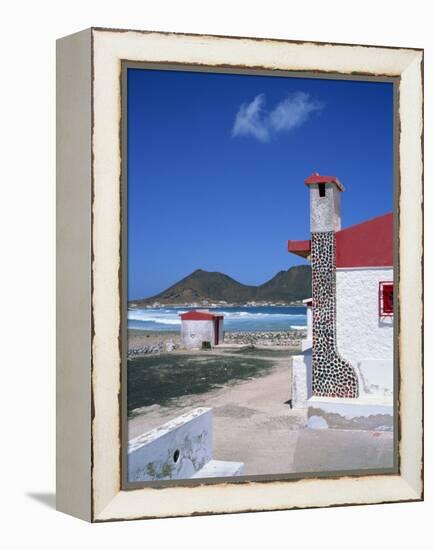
73, 276
301, 379
193, 333
336, 207
325, 211
306, 343
179, 449
221, 331
376, 376
351, 408
362, 337
363, 413
175, 450
220, 468
309, 322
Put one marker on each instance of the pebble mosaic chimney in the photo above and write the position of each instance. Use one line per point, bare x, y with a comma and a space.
332, 375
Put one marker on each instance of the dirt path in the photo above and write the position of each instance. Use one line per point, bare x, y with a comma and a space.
253, 423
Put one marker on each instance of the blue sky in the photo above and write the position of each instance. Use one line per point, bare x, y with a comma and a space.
216, 164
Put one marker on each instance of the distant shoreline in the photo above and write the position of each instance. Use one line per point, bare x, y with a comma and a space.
137, 304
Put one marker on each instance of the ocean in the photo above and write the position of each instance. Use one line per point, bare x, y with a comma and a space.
246, 319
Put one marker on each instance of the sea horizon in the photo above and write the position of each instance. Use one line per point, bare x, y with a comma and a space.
267, 318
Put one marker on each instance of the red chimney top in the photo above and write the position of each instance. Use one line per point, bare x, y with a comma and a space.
315, 178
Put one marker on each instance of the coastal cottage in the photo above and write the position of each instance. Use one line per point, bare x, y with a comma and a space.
348, 369
198, 326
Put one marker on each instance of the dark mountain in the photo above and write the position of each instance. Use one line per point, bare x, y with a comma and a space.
287, 286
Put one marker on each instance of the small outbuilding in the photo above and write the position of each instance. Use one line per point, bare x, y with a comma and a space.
199, 326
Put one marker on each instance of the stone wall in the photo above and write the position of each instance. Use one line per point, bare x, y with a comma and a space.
332, 375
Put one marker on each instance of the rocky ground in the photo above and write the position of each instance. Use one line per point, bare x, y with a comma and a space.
141, 342
144, 342
290, 338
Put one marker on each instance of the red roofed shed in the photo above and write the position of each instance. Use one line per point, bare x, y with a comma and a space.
195, 315
198, 326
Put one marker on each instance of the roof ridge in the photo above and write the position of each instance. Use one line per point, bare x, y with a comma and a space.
366, 221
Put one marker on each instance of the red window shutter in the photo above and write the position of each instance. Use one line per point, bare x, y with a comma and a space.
386, 298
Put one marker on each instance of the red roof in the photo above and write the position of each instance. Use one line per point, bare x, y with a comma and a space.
195, 315
300, 248
367, 244
317, 178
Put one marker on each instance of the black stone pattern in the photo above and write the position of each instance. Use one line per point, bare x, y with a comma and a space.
332, 375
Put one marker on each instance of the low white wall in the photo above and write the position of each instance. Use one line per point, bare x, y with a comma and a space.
363, 338
175, 450
193, 333
301, 379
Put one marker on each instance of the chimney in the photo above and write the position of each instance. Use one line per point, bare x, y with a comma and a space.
332, 375
325, 203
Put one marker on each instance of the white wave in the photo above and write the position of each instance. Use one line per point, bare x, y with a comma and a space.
152, 317
243, 320
256, 315
159, 321
165, 321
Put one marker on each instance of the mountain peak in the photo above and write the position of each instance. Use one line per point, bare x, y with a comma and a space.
286, 286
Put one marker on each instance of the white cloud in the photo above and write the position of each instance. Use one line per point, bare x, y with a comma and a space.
254, 120
250, 120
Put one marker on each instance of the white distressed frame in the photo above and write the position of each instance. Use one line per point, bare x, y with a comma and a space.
101, 497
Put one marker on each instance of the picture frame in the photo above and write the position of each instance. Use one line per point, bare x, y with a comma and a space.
91, 272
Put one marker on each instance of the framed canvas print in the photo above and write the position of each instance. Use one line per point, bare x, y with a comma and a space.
240, 241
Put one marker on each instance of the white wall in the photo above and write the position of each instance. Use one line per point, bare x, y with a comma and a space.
306, 343
151, 456
221, 331
301, 379
363, 338
193, 333
309, 322
325, 211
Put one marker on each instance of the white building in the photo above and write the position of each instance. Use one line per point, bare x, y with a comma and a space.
307, 342
199, 326
352, 309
